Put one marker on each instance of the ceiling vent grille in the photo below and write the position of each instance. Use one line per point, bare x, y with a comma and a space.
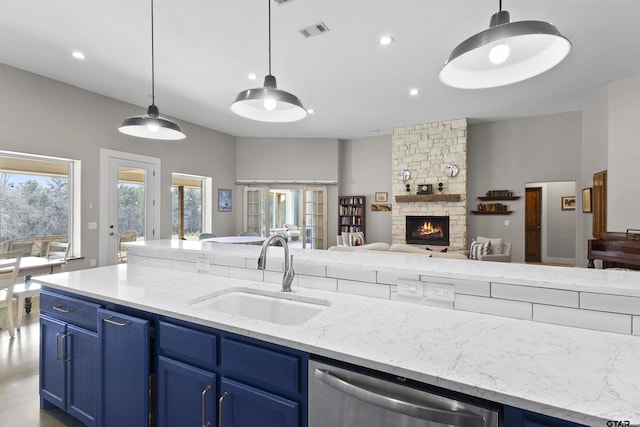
314, 30
281, 2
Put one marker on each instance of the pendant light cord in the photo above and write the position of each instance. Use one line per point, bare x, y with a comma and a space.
500, 5
269, 3
153, 71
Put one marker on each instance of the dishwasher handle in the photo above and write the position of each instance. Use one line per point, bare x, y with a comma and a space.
400, 406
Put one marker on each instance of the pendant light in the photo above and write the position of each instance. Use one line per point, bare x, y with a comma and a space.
151, 125
506, 53
268, 103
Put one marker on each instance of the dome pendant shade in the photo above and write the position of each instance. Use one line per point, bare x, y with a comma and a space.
269, 104
152, 126
506, 53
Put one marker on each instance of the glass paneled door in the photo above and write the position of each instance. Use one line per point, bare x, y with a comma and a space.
129, 194
315, 218
256, 210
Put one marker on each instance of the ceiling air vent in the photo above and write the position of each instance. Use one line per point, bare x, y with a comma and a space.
314, 30
282, 1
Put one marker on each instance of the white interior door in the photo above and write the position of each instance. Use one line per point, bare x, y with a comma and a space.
129, 198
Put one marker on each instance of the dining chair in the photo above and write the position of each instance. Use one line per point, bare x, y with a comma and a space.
58, 250
9, 266
125, 236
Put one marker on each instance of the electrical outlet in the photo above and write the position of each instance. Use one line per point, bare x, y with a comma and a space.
203, 265
440, 294
409, 288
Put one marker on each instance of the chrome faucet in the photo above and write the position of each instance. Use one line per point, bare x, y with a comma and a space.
287, 278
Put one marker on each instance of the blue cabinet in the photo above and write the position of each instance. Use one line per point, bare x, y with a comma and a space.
68, 354
245, 406
94, 363
211, 376
124, 370
514, 417
186, 395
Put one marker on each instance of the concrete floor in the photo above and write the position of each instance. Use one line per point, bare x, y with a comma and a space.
19, 365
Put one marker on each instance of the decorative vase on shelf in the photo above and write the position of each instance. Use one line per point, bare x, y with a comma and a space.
440, 187
407, 188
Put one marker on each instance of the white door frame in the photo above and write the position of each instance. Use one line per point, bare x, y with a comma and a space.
152, 212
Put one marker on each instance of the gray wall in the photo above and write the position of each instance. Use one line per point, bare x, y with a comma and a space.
367, 171
504, 155
623, 171
558, 235
43, 116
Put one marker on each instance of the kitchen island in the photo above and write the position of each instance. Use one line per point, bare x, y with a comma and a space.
576, 374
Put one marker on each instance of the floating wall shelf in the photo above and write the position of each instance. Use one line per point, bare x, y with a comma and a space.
484, 199
429, 198
492, 212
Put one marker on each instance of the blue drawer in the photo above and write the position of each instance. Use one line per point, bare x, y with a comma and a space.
261, 367
68, 309
186, 345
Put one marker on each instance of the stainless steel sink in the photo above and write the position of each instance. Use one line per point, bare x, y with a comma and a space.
275, 307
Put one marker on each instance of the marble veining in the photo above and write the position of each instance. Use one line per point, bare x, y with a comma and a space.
575, 374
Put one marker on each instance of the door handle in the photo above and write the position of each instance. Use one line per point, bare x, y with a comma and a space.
414, 410
223, 397
202, 405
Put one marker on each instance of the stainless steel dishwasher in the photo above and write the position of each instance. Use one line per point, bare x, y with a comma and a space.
344, 396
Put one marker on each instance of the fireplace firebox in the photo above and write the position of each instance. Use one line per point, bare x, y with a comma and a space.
427, 230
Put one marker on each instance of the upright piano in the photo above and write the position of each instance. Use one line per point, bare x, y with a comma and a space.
616, 249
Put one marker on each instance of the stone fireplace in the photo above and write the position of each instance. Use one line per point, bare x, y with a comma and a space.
425, 150
427, 230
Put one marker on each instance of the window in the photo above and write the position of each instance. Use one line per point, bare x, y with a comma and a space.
38, 198
190, 203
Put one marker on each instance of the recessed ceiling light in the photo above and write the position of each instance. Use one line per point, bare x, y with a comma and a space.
386, 40
374, 130
414, 92
310, 111
78, 55
252, 76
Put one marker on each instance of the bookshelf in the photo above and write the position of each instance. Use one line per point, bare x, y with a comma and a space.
351, 213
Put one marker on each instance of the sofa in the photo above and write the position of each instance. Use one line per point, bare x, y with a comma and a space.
402, 249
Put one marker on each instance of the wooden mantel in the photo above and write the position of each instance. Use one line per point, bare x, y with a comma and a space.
429, 198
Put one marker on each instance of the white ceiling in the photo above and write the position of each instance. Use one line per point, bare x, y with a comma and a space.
205, 49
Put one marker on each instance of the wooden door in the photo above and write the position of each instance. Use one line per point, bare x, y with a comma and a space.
533, 225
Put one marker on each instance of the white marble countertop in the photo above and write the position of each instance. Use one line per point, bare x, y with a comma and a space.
580, 375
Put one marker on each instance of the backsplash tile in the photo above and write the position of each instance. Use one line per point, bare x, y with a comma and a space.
515, 309
364, 289
323, 283
351, 273
599, 320
613, 303
533, 294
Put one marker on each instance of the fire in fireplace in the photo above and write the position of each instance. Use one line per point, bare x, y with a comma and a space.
427, 230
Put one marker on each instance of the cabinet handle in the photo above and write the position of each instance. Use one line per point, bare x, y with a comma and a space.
61, 357
223, 397
63, 340
57, 346
62, 310
202, 405
113, 322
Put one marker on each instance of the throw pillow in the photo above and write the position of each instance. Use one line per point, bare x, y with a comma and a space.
355, 238
496, 244
479, 248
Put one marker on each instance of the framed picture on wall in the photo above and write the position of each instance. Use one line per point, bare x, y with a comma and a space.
586, 200
224, 200
568, 203
381, 197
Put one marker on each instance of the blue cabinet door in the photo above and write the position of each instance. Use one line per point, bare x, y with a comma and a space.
124, 369
514, 417
82, 367
52, 366
246, 406
186, 395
